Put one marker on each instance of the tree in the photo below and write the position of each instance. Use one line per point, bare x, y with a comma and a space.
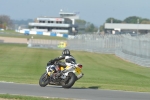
113, 20
79, 21
87, 26
5, 21
81, 24
145, 21
133, 19
90, 27
101, 28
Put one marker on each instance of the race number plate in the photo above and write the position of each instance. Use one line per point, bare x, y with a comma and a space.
78, 70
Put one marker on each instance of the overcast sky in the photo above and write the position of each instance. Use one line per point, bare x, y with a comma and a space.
94, 11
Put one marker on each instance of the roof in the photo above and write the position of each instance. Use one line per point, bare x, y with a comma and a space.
67, 13
127, 26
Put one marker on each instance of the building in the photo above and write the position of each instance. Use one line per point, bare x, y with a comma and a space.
127, 28
64, 24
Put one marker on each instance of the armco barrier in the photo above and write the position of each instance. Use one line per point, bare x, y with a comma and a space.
1, 29
27, 32
53, 34
39, 33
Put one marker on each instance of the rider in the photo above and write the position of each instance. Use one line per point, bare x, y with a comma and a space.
67, 58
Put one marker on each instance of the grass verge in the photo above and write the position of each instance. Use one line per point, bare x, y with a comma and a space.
102, 71
20, 97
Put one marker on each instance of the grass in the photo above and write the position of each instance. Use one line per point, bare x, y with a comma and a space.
103, 71
20, 97
11, 33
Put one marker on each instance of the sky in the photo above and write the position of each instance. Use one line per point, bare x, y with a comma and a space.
93, 11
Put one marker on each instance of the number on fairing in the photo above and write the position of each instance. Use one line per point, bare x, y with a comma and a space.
78, 70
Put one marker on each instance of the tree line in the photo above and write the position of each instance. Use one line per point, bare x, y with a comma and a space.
7, 23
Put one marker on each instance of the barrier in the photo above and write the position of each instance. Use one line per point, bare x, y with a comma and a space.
135, 49
28, 32
1, 29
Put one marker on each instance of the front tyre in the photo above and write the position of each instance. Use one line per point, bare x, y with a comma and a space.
44, 80
71, 78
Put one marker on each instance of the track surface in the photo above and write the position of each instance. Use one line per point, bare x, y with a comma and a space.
75, 93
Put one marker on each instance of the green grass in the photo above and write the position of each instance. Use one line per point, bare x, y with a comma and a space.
11, 33
104, 71
20, 97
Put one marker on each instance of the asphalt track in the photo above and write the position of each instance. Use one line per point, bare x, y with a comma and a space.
74, 93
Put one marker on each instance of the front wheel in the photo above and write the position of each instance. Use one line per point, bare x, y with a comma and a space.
69, 82
44, 80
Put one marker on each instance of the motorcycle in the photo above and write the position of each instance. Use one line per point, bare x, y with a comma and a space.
67, 75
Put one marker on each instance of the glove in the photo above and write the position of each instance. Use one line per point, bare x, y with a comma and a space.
51, 62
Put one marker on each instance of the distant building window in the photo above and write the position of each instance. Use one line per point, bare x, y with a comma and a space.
58, 21
41, 21
50, 21
67, 15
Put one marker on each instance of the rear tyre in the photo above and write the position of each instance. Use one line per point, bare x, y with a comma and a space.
70, 81
44, 80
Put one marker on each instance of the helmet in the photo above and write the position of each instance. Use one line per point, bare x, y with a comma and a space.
66, 52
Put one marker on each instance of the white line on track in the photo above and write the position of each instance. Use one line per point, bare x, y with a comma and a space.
6, 82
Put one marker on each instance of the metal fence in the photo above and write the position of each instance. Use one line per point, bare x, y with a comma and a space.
95, 43
132, 48
135, 49
40, 43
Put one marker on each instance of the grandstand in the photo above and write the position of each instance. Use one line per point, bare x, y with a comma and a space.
62, 26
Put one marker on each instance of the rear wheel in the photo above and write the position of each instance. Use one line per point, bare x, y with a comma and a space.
44, 80
70, 80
